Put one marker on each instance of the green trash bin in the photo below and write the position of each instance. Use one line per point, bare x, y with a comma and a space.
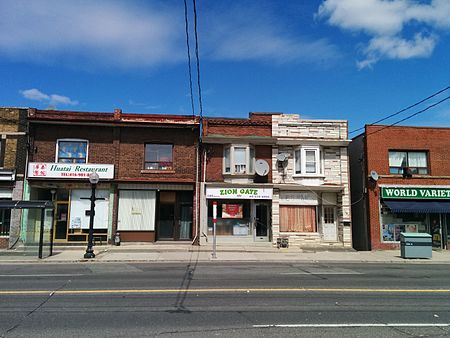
415, 245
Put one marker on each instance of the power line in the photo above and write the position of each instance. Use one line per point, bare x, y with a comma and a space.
189, 55
198, 61
411, 116
404, 109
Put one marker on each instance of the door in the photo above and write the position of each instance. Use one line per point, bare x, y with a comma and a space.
329, 224
61, 218
436, 230
447, 228
261, 221
185, 221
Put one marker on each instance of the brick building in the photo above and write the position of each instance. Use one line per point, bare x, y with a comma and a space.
13, 127
147, 168
234, 151
400, 178
311, 196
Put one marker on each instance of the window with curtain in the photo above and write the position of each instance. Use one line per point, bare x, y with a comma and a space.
298, 218
72, 151
238, 159
307, 161
416, 161
158, 157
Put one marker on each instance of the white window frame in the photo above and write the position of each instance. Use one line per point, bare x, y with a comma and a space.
318, 160
71, 140
249, 161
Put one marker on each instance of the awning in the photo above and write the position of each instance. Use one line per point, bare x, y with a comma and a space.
423, 207
8, 204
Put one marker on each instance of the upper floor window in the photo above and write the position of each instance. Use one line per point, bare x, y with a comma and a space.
158, 156
72, 151
307, 161
239, 159
416, 161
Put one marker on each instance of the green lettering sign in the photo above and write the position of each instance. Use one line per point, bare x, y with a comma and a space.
415, 193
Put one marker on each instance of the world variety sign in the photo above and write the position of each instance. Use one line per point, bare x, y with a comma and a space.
69, 170
415, 193
239, 193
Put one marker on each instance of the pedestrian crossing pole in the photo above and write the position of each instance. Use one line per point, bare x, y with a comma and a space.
214, 255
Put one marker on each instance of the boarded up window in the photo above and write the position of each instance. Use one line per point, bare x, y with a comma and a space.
298, 219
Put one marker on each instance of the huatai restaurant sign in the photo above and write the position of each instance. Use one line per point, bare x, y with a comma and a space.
239, 193
415, 193
69, 170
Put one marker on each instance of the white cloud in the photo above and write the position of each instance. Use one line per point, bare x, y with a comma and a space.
385, 22
101, 32
35, 94
251, 33
91, 34
53, 99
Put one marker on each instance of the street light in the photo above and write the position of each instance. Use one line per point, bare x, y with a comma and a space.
93, 178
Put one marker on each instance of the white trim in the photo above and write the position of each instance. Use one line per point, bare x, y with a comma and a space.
318, 160
412, 186
249, 162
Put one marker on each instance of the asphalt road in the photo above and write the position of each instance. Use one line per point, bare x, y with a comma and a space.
225, 300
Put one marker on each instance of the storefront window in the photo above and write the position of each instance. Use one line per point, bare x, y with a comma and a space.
298, 218
393, 224
233, 218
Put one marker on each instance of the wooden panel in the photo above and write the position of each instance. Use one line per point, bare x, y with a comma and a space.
137, 236
298, 219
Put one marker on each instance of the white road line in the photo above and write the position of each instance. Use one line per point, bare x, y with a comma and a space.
46, 275
354, 325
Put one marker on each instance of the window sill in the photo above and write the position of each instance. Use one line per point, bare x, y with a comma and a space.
147, 171
238, 175
308, 176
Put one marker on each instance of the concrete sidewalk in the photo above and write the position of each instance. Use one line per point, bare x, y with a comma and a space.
149, 252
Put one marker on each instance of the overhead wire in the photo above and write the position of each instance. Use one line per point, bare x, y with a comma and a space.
189, 55
410, 116
404, 109
198, 61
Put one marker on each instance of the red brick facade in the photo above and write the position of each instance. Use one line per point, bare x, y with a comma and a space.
119, 139
246, 131
378, 141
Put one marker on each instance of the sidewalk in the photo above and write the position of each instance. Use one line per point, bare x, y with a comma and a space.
149, 252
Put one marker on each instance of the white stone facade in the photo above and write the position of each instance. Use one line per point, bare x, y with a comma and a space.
314, 174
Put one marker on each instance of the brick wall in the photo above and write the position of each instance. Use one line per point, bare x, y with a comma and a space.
434, 140
45, 136
132, 146
13, 126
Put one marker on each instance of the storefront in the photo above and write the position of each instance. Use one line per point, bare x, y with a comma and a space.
67, 185
243, 213
307, 217
422, 209
155, 212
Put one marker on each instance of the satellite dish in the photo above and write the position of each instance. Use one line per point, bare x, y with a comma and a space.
262, 167
282, 157
374, 175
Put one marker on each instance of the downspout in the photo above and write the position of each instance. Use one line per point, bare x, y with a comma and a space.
197, 192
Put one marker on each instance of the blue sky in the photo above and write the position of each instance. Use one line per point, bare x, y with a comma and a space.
334, 59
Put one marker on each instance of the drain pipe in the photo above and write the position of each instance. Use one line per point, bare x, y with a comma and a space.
197, 192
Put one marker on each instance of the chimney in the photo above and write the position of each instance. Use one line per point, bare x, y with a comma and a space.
117, 114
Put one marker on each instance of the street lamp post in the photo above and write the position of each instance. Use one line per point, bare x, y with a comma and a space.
93, 179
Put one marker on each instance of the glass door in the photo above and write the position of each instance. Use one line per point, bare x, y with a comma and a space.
261, 221
61, 217
185, 222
